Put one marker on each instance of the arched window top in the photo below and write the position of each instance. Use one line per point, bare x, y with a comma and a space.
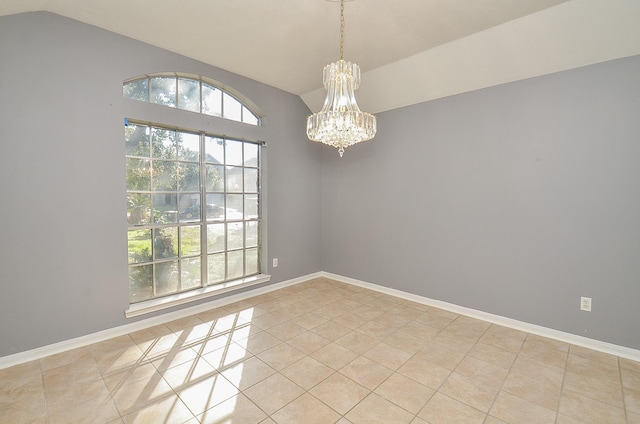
191, 93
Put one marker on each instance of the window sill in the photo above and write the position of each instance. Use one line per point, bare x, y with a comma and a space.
166, 302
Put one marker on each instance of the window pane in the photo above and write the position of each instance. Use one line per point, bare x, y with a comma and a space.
165, 242
251, 154
234, 179
235, 235
189, 207
251, 234
214, 150
234, 207
233, 152
251, 180
215, 207
137, 140
164, 176
188, 177
251, 206
188, 146
235, 265
251, 262
138, 209
216, 268
139, 246
138, 174
215, 173
163, 144
248, 117
189, 94
140, 283
136, 90
166, 277
214, 212
190, 240
232, 107
165, 208
215, 238
163, 91
191, 273
211, 100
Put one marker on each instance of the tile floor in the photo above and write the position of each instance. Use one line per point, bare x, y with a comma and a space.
324, 352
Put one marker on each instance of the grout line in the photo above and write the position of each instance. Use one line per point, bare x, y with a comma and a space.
624, 401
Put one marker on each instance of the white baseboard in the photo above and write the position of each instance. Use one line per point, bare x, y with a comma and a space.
52, 349
41, 352
597, 345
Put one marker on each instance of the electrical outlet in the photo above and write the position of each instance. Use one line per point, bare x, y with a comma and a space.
585, 304
275, 262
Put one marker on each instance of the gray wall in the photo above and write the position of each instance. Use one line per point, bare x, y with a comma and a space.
514, 200
62, 216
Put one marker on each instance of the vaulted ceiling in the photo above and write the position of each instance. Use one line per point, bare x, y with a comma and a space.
409, 51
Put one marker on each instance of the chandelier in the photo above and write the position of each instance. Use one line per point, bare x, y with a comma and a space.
340, 123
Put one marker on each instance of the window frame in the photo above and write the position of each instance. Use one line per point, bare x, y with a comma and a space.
202, 127
227, 96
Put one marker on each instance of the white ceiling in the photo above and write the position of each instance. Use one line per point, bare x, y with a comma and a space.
409, 51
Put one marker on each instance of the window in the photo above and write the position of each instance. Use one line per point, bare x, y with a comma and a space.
189, 94
193, 210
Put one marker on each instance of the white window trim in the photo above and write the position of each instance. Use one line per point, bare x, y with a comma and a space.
158, 304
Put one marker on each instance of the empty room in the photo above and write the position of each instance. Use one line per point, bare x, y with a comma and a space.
320, 211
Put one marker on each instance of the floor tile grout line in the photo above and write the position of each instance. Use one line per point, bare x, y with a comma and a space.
467, 355
504, 380
564, 377
44, 392
624, 400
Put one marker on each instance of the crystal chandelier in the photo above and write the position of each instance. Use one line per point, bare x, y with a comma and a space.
341, 123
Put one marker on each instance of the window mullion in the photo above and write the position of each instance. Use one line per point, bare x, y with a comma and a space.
224, 203
177, 95
244, 214
200, 110
204, 254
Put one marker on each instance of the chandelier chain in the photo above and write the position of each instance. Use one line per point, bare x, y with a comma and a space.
341, 29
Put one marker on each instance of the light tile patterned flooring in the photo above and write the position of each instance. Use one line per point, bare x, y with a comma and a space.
324, 352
